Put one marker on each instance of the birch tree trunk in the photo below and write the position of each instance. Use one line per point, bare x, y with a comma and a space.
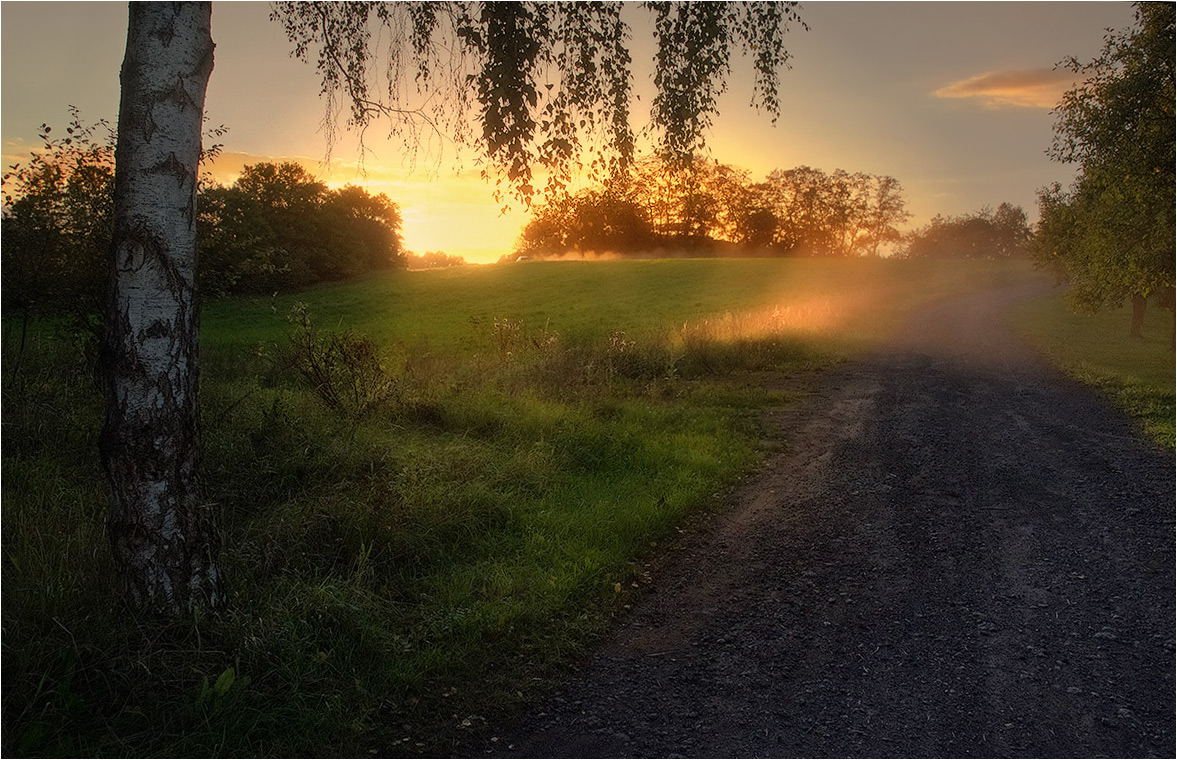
163, 538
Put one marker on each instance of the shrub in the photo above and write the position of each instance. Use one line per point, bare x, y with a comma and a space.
342, 369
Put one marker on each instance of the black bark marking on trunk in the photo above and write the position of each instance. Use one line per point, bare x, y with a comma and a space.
175, 168
178, 94
167, 32
158, 329
160, 534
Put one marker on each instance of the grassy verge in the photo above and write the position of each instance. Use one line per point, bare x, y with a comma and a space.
1137, 374
435, 489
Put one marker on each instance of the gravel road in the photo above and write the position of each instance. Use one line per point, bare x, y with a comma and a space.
957, 551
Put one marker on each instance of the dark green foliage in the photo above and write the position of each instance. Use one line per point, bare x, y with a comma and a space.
57, 221
343, 370
986, 234
383, 550
591, 220
1112, 234
277, 228
693, 60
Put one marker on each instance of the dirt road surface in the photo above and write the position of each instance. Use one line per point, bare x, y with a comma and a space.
957, 552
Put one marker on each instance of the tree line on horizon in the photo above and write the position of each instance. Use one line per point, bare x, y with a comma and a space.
1001, 233
277, 227
704, 206
711, 208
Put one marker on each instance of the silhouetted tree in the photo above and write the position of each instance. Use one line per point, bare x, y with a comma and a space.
433, 260
838, 214
695, 206
757, 226
1012, 231
547, 233
1112, 234
885, 211
691, 203
365, 233
592, 220
278, 227
801, 200
57, 221
981, 235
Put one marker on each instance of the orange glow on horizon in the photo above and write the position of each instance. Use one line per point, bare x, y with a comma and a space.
452, 212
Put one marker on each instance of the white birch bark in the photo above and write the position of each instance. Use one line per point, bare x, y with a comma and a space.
163, 538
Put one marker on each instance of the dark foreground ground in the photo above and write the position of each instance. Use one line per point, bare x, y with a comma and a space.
958, 552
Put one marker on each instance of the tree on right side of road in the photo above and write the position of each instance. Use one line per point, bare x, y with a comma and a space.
985, 234
1111, 235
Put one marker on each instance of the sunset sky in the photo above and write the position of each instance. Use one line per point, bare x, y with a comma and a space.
952, 99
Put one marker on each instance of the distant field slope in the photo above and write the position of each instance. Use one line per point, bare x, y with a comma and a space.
840, 299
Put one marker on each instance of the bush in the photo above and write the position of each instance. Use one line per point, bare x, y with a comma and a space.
342, 369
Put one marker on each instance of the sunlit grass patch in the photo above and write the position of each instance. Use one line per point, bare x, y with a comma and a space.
1137, 374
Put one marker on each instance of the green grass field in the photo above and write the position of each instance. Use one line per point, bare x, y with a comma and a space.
455, 307
435, 489
1137, 374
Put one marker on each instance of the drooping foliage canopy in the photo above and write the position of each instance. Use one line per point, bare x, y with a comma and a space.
1112, 233
534, 84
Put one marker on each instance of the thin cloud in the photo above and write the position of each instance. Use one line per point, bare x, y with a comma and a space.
1028, 88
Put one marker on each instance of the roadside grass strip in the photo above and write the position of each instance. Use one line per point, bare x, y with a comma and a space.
1136, 374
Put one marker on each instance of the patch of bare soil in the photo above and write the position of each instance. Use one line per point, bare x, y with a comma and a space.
956, 552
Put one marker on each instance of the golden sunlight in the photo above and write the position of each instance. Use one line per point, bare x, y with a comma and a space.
451, 212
